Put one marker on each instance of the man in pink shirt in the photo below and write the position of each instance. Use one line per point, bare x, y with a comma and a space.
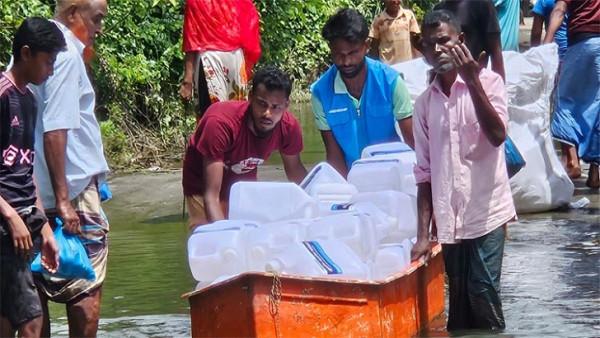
459, 130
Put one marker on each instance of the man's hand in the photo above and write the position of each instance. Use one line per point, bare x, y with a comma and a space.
468, 68
20, 235
420, 249
185, 90
49, 250
69, 217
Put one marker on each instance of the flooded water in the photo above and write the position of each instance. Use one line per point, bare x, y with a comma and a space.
550, 282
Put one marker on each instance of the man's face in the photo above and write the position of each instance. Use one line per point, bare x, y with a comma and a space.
267, 109
436, 43
349, 57
87, 24
39, 66
392, 6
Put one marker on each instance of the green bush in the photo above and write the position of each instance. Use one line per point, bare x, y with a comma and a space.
139, 65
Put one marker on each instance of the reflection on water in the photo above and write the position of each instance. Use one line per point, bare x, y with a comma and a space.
550, 282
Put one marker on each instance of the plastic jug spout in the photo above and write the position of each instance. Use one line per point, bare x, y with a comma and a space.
273, 266
229, 255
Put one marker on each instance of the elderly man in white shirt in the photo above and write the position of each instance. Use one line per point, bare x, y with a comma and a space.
70, 164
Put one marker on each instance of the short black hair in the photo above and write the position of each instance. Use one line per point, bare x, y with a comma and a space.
434, 19
273, 78
347, 24
40, 35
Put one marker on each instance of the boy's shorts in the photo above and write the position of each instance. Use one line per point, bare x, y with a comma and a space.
19, 300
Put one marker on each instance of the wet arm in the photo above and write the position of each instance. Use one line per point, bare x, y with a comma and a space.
213, 177
335, 156
294, 169
556, 18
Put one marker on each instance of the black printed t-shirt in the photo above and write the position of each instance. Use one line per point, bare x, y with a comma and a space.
17, 124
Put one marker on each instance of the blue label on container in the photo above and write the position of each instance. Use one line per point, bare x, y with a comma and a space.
342, 206
325, 261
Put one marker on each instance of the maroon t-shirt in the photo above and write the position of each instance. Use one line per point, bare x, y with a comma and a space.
223, 134
584, 18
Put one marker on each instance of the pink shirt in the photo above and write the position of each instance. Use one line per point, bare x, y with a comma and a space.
469, 182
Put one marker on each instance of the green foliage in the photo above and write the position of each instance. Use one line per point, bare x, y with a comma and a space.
137, 76
12, 14
291, 33
139, 64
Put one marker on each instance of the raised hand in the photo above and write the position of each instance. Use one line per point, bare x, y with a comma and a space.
468, 68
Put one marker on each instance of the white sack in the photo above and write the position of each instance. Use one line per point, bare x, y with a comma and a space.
543, 184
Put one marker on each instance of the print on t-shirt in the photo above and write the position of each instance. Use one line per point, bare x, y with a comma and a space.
247, 165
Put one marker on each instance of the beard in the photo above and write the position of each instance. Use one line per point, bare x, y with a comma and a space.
260, 132
353, 73
443, 68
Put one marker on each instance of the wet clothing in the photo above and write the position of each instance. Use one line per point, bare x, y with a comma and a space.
474, 267
94, 236
67, 101
478, 20
508, 18
584, 19
358, 123
469, 182
544, 8
393, 34
17, 125
223, 134
576, 118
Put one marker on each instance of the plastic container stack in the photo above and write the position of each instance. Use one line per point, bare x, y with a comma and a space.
326, 226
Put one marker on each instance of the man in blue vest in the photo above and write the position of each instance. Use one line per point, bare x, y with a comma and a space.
358, 100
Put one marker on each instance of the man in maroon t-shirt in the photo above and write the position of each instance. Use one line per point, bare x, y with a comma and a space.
233, 138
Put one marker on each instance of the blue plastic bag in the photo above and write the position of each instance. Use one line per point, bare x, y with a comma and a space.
73, 260
105, 192
514, 159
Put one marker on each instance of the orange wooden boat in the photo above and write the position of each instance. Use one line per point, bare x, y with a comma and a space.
264, 305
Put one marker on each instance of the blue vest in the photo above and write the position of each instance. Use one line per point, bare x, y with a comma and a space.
373, 122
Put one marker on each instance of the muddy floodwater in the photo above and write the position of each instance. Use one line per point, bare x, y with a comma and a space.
550, 281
